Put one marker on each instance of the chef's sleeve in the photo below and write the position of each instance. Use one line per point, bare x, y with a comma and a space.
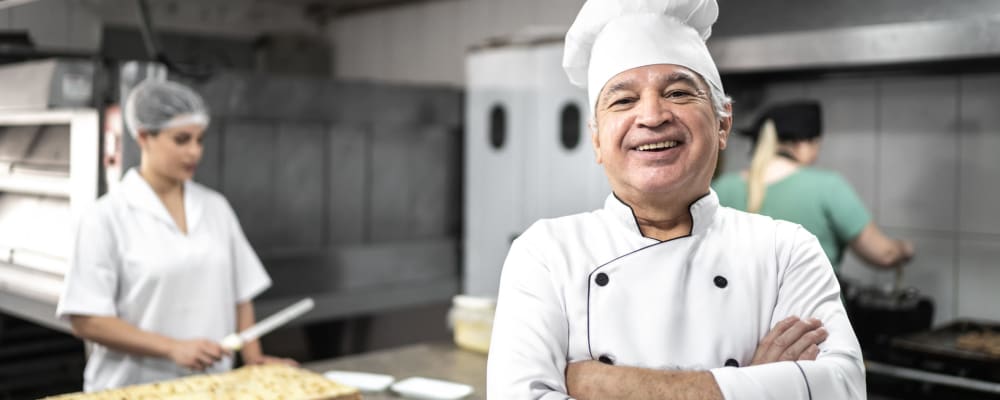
91, 283
808, 289
528, 348
250, 276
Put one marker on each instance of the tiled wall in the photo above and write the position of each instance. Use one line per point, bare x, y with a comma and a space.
923, 152
427, 41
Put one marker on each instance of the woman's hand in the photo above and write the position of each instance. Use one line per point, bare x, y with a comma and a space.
196, 354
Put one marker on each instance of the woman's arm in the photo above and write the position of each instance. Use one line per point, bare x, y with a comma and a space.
196, 354
879, 250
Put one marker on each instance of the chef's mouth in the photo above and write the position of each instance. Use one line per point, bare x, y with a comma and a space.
658, 146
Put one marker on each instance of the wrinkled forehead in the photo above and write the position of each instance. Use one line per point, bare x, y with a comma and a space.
656, 75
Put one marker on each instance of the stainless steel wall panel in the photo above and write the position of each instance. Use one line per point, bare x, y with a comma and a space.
209, 172
348, 174
979, 183
356, 267
299, 185
918, 153
399, 104
978, 274
850, 142
276, 97
860, 46
932, 271
413, 179
224, 95
437, 204
352, 102
249, 178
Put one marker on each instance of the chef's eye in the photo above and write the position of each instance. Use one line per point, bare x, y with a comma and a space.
182, 139
622, 101
679, 94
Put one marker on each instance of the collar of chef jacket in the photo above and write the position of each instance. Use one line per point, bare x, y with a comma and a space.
140, 195
702, 212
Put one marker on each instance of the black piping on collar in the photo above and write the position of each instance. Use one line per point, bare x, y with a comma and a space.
636, 220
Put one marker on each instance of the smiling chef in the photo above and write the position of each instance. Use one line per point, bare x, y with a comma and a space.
664, 294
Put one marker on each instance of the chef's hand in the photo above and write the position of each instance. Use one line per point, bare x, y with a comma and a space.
196, 354
266, 359
792, 339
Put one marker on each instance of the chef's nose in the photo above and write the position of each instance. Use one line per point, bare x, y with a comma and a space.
653, 112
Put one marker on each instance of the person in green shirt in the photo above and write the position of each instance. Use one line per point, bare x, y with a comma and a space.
781, 183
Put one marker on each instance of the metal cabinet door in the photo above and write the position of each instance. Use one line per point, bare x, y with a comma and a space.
564, 177
498, 110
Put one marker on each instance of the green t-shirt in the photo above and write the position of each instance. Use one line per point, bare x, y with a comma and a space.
821, 201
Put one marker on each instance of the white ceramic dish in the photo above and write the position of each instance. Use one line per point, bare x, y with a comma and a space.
364, 381
431, 389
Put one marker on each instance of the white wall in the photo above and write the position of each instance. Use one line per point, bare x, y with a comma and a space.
77, 24
427, 42
210, 17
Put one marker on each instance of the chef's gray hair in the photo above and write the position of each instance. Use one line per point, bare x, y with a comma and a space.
720, 101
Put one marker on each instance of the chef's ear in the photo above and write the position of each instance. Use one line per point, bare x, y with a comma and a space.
595, 139
725, 126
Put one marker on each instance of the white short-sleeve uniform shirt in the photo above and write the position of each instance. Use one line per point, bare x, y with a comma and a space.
132, 262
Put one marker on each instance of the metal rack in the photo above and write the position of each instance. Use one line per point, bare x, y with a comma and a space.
49, 163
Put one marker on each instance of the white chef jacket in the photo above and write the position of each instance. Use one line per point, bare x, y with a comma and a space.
591, 287
132, 262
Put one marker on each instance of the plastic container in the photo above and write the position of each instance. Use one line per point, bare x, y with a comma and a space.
471, 320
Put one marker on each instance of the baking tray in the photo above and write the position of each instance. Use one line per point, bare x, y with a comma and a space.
936, 350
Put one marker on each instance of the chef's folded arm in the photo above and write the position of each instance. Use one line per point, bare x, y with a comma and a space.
808, 289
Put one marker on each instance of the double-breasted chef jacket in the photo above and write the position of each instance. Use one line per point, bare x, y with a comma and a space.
591, 287
132, 262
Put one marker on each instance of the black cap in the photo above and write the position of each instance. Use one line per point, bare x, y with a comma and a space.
795, 120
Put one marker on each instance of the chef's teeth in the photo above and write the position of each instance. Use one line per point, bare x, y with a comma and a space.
656, 146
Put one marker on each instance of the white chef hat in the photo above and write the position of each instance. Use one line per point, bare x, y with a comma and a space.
612, 36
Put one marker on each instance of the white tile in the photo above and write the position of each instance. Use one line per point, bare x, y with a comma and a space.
918, 149
932, 270
849, 144
857, 271
979, 193
979, 278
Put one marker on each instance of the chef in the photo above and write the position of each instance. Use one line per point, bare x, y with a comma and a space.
663, 293
161, 270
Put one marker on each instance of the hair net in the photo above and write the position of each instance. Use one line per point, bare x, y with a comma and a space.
156, 105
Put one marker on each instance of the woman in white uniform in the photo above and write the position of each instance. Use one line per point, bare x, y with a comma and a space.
161, 269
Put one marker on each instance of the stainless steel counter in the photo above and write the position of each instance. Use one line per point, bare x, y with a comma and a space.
436, 360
